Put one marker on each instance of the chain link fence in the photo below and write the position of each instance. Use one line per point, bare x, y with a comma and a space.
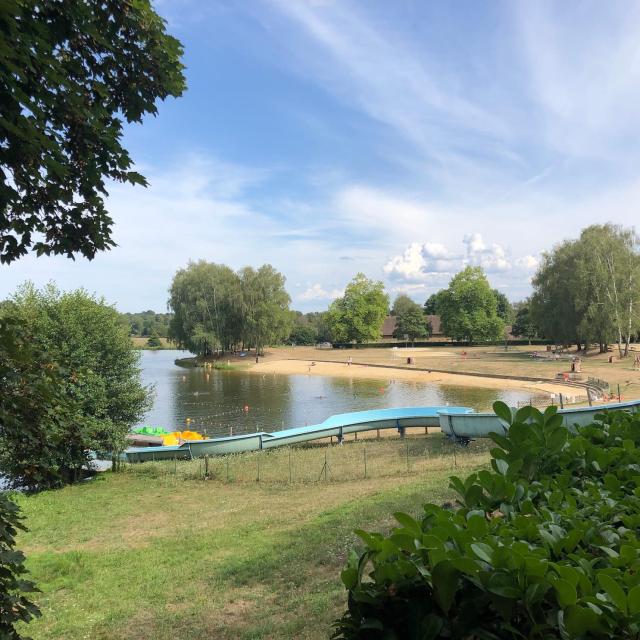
353, 460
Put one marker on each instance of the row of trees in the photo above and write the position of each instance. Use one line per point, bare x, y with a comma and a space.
587, 291
147, 324
216, 308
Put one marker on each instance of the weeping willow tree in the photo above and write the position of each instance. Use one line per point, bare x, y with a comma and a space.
216, 308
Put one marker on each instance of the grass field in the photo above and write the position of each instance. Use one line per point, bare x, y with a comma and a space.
156, 552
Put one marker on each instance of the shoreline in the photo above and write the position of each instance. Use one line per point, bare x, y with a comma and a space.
364, 371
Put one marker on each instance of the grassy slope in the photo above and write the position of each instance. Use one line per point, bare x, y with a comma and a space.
130, 556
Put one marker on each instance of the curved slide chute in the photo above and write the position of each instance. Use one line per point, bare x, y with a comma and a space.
337, 426
458, 423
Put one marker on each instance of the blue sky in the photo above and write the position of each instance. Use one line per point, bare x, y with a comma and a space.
402, 139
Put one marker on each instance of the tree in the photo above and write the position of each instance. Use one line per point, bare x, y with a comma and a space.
401, 304
588, 290
15, 606
154, 341
72, 73
82, 389
608, 267
431, 306
523, 324
504, 308
468, 308
553, 303
266, 318
359, 314
206, 300
215, 308
411, 322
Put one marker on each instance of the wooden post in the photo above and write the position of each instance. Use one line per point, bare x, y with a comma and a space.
561, 402
258, 478
227, 468
206, 466
619, 396
325, 466
289, 465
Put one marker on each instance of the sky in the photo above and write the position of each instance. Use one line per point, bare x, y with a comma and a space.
403, 139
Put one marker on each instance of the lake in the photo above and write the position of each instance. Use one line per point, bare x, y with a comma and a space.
216, 400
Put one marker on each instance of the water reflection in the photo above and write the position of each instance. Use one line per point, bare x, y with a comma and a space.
218, 402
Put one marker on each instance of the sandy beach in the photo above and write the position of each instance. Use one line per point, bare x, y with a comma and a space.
341, 369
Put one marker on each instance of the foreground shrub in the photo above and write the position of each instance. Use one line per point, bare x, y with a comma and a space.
70, 384
14, 605
545, 545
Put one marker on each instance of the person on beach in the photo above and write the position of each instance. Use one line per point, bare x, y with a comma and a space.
349, 361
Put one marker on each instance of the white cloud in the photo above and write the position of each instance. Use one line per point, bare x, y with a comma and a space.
317, 292
432, 264
528, 263
493, 258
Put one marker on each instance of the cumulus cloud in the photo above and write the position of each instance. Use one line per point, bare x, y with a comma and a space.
430, 262
318, 292
490, 258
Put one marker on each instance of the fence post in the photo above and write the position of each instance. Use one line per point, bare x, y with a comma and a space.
561, 402
206, 466
365, 460
619, 397
325, 466
290, 465
227, 468
258, 478
589, 397
408, 457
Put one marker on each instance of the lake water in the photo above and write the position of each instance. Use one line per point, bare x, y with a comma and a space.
215, 400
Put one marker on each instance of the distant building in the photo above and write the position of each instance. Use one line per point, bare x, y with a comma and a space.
388, 327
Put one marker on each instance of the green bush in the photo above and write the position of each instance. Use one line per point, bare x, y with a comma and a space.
15, 607
545, 545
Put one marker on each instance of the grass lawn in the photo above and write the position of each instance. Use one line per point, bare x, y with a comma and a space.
150, 553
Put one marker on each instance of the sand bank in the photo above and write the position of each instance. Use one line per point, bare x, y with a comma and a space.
341, 369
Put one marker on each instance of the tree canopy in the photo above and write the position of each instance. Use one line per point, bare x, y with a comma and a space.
216, 308
358, 315
72, 73
71, 383
588, 290
468, 308
410, 319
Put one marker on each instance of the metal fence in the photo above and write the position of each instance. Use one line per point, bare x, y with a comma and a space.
353, 460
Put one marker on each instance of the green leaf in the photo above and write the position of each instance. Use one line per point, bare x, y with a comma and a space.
502, 411
633, 600
502, 467
580, 621
483, 551
566, 592
445, 584
614, 591
409, 523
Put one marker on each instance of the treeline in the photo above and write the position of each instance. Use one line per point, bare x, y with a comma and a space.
218, 309
147, 324
587, 291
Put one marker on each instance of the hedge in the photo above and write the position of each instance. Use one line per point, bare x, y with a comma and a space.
544, 545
